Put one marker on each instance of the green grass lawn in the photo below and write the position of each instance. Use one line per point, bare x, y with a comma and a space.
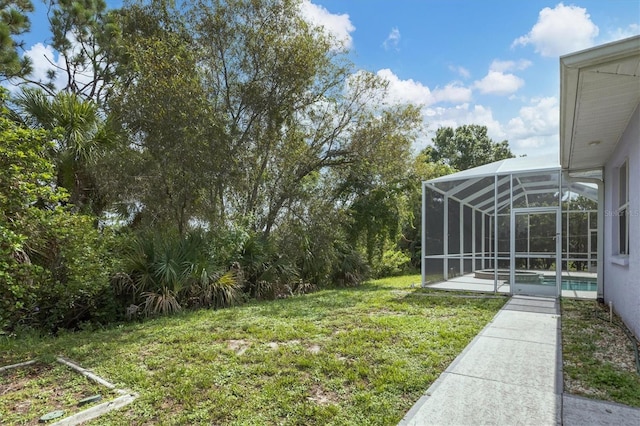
348, 356
599, 360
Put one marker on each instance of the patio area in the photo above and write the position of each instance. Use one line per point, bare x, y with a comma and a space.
538, 226
469, 282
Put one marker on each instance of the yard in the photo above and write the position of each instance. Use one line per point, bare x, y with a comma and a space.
347, 356
598, 356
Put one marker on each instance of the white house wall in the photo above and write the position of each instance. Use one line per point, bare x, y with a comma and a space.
622, 276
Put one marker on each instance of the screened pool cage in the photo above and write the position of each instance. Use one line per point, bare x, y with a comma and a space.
517, 226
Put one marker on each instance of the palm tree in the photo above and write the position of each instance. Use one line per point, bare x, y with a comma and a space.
83, 134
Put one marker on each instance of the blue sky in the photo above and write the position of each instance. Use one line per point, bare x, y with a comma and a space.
488, 62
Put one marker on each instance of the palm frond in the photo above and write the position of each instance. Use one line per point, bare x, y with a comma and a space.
163, 302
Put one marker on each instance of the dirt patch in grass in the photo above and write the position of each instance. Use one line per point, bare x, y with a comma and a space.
385, 312
274, 345
314, 349
598, 357
322, 396
238, 346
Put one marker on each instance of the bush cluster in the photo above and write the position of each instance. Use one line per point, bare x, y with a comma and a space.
64, 273
54, 268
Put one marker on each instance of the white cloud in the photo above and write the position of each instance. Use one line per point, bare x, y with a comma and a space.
411, 91
461, 71
458, 115
620, 33
533, 132
453, 93
44, 58
502, 66
541, 117
535, 129
561, 30
337, 26
392, 39
499, 83
405, 91
463, 114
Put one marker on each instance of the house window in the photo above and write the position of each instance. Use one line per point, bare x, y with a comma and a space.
623, 210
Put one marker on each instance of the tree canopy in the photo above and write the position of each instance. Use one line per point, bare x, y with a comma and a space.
247, 102
466, 147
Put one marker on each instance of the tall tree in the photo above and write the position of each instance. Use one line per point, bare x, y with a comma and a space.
235, 105
13, 22
84, 34
290, 103
374, 187
466, 147
160, 104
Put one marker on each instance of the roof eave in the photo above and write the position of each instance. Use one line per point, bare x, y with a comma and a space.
570, 67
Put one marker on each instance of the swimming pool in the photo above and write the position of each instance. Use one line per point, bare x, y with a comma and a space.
574, 284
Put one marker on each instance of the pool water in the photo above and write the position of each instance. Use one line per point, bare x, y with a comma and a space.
574, 284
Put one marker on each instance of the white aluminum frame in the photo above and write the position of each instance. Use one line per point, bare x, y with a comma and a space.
536, 289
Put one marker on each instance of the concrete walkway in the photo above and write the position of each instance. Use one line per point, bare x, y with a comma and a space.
511, 374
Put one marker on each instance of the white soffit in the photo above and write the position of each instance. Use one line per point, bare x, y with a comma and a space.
599, 92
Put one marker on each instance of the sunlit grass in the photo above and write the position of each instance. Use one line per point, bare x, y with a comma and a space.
345, 356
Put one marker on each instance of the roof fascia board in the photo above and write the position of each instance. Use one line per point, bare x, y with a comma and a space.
601, 54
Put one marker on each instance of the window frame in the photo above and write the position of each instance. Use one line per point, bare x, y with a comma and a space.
622, 211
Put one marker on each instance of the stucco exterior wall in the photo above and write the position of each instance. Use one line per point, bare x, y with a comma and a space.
622, 273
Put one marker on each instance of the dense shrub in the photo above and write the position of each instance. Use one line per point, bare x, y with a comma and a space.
321, 253
165, 273
19, 283
75, 260
349, 268
267, 271
392, 262
59, 276
54, 264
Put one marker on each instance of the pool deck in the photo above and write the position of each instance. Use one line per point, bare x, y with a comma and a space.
470, 283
